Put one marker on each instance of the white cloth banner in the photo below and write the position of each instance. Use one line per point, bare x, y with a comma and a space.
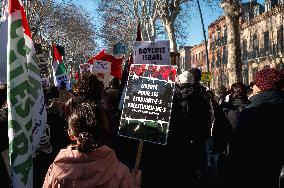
102, 70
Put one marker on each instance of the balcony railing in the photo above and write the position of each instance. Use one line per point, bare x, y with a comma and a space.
263, 52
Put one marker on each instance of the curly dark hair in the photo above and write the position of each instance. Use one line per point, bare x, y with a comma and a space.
238, 90
89, 124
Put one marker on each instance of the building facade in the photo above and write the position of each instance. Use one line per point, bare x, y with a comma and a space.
261, 29
262, 39
218, 58
198, 57
185, 58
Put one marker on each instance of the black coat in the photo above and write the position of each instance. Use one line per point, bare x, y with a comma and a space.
226, 120
256, 153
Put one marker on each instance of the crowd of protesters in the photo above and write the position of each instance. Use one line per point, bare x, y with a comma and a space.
233, 138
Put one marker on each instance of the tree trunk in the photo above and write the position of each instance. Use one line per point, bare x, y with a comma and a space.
171, 34
234, 65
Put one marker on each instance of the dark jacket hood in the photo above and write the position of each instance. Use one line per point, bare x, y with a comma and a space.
266, 97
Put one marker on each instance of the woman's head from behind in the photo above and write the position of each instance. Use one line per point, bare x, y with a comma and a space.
88, 127
238, 90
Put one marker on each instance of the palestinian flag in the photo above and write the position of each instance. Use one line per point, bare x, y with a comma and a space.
27, 113
59, 69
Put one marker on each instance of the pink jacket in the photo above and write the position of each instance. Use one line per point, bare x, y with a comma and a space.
99, 169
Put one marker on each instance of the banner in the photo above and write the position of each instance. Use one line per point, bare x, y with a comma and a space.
62, 78
148, 103
102, 70
152, 52
27, 113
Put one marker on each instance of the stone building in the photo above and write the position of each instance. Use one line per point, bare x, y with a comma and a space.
198, 57
217, 45
185, 58
261, 41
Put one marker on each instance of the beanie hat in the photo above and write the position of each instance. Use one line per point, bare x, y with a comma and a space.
266, 78
193, 75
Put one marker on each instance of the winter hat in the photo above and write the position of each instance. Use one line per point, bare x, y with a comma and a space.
193, 75
267, 78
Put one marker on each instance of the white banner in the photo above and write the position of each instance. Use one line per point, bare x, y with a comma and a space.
62, 78
152, 52
102, 70
27, 113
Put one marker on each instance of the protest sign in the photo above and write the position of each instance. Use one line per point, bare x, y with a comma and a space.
62, 78
102, 70
85, 68
148, 102
152, 52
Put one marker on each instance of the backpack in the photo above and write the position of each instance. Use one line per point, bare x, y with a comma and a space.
196, 112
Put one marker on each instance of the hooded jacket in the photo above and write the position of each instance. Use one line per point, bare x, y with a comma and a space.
258, 143
100, 168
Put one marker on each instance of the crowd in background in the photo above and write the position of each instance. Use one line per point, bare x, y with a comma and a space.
231, 138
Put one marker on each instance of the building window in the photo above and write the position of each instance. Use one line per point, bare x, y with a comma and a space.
267, 6
196, 58
218, 34
266, 41
244, 50
202, 55
255, 45
225, 56
280, 38
246, 76
256, 11
193, 58
225, 32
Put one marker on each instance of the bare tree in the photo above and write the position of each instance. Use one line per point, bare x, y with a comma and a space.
121, 17
232, 13
169, 11
66, 24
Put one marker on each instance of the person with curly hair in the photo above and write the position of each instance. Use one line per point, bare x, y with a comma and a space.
88, 162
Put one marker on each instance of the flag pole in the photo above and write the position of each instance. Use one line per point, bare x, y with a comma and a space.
205, 40
138, 157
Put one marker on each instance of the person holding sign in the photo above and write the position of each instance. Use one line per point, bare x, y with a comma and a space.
89, 162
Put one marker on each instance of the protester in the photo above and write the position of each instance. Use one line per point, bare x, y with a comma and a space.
256, 152
91, 89
113, 93
186, 146
89, 162
64, 95
4, 140
226, 120
55, 134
